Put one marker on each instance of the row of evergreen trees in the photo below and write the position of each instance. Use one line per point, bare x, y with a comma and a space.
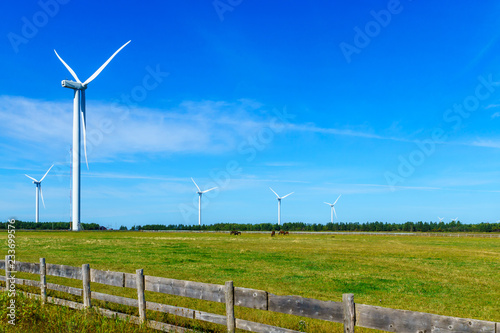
47, 225
350, 226
290, 226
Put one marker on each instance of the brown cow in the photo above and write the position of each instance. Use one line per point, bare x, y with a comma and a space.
286, 232
281, 232
273, 233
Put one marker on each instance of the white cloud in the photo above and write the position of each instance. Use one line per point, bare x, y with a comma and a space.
113, 131
488, 143
206, 126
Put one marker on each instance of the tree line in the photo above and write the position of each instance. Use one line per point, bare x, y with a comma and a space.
47, 225
454, 226
340, 226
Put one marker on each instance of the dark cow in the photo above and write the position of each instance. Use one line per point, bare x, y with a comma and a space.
235, 232
273, 233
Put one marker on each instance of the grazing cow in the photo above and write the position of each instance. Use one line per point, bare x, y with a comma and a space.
281, 232
234, 232
273, 233
286, 232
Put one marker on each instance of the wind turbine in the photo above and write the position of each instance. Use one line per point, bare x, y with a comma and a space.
279, 204
455, 219
333, 207
79, 112
440, 219
200, 193
38, 189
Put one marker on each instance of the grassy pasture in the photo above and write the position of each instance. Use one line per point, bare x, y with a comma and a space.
442, 275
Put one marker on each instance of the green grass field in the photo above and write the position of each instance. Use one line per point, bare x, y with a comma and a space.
449, 276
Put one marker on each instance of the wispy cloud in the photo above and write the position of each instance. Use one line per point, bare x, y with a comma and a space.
113, 131
492, 106
205, 126
488, 143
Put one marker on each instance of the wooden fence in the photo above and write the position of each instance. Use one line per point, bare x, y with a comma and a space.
346, 312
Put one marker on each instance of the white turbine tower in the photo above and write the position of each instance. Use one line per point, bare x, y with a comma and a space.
200, 193
440, 219
333, 207
79, 111
38, 189
279, 204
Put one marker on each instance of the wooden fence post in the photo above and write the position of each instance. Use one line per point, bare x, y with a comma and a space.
86, 285
43, 280
140, 294
349, 313
231, 321
7, 273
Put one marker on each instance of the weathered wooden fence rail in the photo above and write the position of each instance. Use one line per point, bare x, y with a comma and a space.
346, 312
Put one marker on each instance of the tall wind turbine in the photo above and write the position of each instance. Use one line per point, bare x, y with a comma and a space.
79, 111
440, 219
333, 207
200, 193
38, 189
279, 204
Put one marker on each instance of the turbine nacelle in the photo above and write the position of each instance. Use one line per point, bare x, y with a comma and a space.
73, 85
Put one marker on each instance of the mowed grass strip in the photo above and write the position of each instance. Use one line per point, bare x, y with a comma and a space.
449, 276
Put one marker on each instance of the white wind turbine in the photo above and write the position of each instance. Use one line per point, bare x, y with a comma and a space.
279, 204
455, 219
79, 111
440, 219
333, 207
38, 189
200, 193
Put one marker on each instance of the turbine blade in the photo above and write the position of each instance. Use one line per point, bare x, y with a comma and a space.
196, 184
327, 203
213, 188
334, 212
337, 200
286, 195
275, 193
46, 173
31, 177
84, 125
41, 195
68, 68
97, 72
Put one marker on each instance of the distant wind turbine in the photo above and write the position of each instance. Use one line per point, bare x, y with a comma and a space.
440, 219
279, 204
455, 219
200, 193
333, 208
38, 189
79, 111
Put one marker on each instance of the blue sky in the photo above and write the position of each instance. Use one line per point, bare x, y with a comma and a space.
394, 105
